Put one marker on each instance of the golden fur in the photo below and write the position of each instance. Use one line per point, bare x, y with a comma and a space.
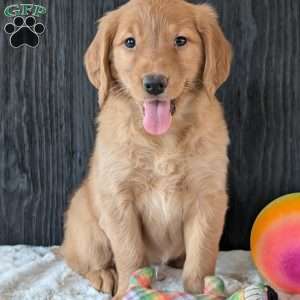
152, 199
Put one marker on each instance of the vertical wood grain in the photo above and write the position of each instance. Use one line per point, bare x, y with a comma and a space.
48, 109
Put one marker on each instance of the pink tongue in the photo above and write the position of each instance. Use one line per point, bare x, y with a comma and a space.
157, 118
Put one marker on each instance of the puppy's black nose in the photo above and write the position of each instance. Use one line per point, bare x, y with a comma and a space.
155, 84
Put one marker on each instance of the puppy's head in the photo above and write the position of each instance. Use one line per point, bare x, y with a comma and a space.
156, 52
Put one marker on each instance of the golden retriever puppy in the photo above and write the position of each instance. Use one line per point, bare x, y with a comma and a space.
156, 187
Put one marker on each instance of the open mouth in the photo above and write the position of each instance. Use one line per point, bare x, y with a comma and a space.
158, 116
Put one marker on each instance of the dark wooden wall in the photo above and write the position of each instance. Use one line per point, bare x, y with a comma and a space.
47, 110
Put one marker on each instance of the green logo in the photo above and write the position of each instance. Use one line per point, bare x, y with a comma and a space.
24, 10
24, 28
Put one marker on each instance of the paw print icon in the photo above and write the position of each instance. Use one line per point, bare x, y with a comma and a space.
24, 31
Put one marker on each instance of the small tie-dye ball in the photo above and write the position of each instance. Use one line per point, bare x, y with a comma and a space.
275, 243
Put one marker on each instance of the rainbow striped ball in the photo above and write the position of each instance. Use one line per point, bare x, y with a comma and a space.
275, 243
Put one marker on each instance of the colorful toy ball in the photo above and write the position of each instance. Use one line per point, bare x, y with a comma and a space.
275, 243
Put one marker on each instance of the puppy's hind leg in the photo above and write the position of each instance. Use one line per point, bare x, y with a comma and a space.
86, 248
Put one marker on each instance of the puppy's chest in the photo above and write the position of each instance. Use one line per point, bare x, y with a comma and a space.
159, 173
158, 182
157, 189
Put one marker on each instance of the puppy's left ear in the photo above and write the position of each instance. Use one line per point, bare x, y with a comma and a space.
217, 50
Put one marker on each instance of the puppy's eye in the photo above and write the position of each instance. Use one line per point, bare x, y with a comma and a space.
130, 42
180, 41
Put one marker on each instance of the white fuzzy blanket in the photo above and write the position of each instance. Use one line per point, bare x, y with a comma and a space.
35, 273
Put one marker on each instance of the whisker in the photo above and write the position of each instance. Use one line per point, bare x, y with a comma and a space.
118, 89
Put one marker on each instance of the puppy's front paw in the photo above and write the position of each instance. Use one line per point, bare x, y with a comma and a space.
193, 284
118, 296
104, 280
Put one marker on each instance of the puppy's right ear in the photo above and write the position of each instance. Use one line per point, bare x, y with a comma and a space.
92, 61
97, 56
